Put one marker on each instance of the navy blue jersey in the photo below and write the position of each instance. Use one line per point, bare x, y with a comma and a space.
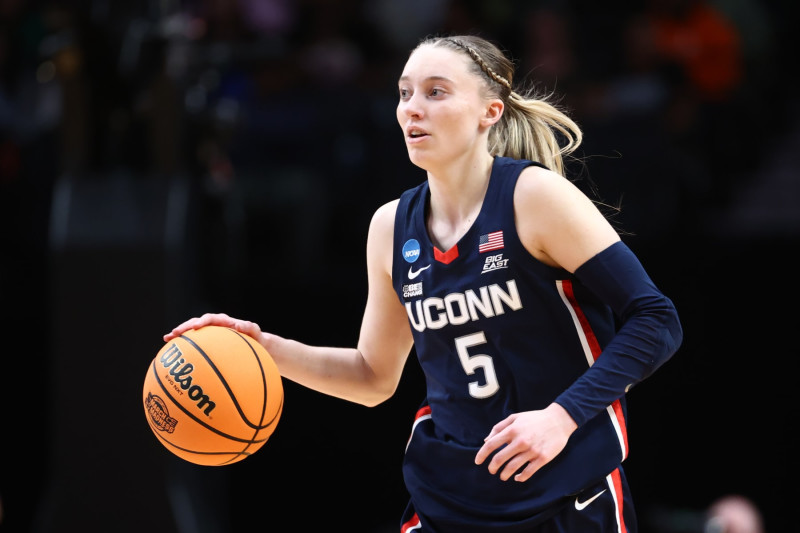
496, 332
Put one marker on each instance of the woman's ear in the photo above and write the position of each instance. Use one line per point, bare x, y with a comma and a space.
494, 110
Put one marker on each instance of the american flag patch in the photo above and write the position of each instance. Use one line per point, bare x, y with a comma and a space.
490, 241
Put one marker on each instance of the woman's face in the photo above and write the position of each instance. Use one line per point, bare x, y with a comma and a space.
441, 108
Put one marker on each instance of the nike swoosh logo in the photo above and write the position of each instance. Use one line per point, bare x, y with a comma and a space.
580, 506
412, 274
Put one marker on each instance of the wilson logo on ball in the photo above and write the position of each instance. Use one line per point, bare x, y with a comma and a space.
159, 414
181, 371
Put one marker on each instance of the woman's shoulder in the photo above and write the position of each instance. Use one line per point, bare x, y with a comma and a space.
537, 183
385, 213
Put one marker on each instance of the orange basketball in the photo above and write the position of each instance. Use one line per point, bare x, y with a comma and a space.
213, 396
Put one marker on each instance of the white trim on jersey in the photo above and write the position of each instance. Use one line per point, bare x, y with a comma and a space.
414, 427
587, 351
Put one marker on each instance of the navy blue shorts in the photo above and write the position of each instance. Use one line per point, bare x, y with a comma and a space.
606, 507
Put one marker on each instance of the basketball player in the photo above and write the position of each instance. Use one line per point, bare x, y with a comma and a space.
529, 315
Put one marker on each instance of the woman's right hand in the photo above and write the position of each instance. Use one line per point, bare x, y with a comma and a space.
216, 319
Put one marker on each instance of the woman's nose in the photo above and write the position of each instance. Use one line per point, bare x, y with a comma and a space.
411, 107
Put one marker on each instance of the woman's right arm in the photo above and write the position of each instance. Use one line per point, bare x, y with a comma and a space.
367, 374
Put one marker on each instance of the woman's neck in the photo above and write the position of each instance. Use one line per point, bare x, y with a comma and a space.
457, 195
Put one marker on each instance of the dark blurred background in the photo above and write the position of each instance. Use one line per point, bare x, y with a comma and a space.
163, 159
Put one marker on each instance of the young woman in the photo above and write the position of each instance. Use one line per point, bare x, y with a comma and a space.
530, 317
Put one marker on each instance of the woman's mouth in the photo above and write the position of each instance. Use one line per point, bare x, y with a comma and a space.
415, 135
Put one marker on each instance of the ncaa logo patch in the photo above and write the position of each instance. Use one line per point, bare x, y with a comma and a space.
411, 250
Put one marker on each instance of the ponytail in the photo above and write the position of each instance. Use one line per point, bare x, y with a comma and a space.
531, 127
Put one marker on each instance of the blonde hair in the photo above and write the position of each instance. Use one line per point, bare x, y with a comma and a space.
532, 126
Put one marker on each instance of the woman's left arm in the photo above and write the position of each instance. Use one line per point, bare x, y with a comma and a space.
566, 229
562, 227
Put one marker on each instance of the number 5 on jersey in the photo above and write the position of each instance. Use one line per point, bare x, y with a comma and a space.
472, 362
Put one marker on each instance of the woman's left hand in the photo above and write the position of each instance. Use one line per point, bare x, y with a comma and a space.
530, 439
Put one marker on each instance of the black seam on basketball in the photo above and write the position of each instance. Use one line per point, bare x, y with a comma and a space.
263, 378
225, 383
278, 412
236, 454
263, 375
263, 381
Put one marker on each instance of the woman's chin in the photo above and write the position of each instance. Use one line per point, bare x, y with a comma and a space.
417, 159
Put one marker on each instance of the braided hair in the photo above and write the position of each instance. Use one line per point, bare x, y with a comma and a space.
531, 126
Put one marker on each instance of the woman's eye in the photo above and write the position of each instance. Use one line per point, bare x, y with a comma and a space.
403, 93
436, 92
